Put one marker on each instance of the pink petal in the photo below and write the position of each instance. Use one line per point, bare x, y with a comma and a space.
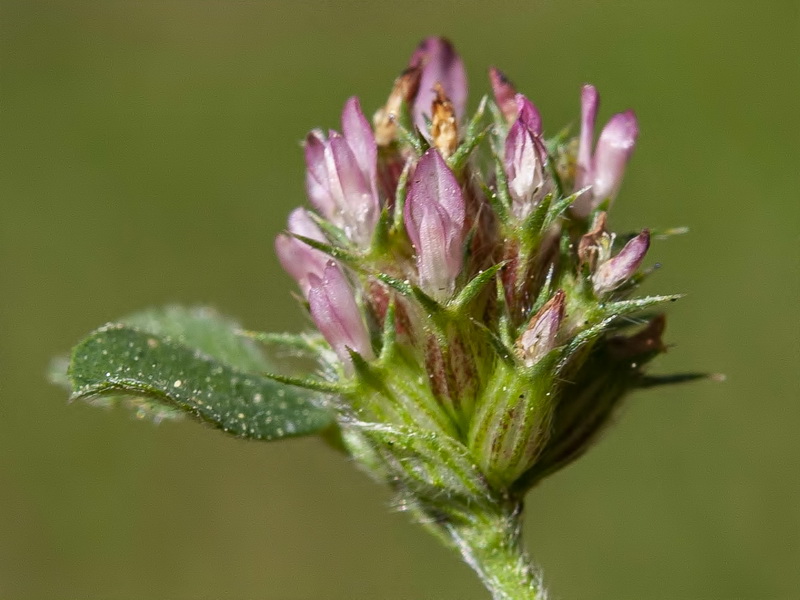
540, 336
590, 102
504, 94
614, 149
335, 312
317, 183
360, 138
529, 114
616, 271
440, 64
434, 219
297, 258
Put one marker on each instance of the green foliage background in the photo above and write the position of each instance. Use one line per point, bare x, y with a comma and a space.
149, 152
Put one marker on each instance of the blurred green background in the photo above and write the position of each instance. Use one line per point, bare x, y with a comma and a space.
150, 152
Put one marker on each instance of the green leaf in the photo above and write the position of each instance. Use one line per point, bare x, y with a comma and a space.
180, 361
204, 329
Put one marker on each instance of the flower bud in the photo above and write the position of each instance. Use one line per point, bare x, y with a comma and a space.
504, 94
335, 313
603, 171
440, 63
616, 271
297, 258
590, 101
340, 175
614, 149
529, 114
540, 336
434, 220
444, 127
524, 158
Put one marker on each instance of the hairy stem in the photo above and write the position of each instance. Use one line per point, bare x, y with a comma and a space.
491, 543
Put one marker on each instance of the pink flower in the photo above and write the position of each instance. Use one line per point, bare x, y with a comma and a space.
504, 94
440, 63
616, 271
341, 174
297, 258
434, 219
540, 336
335, 313
524, 158
604, 170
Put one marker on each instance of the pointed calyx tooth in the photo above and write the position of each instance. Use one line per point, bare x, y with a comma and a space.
616, 271
405, 89
645, 342
540, 335
444, 127
504, 94
594, 245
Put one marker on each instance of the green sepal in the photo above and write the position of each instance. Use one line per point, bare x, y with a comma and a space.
389, 337
381, 238
551, 168
500, 123
335, 234
472, 137
531, 229
501, 182
545, 292
501, 350
500, 209
436, 468
400, 199
504, 320
558, 208
165, 376
418, 143
623, 308
348, 257
308, 383
474, 287
412, 292
309, 345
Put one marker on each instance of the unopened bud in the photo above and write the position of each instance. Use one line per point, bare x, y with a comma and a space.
616, 271
504, 94
296, 257
340, 175
434, 220
540, 336
335, 313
